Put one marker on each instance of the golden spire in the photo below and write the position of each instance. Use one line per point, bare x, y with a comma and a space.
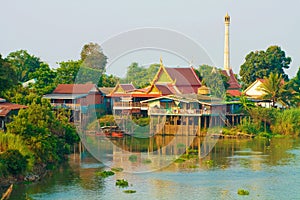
161, 62
227, 18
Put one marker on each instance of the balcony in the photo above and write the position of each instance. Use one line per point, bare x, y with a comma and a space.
71, 106
126, 105
187, 112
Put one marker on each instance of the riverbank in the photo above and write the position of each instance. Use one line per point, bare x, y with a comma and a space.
37, 174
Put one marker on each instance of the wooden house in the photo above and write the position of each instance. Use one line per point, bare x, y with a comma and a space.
80, 99
7, 111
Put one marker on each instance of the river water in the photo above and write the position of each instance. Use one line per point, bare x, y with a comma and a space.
268, 169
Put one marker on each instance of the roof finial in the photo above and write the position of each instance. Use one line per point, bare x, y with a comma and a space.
161, 62
191, 62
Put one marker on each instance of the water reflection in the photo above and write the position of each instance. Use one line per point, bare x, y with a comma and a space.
264, 167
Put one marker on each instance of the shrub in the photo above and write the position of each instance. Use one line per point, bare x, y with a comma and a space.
287, 122
122, 183
14, 161
242, 192
129, 191
132, 158
105, 174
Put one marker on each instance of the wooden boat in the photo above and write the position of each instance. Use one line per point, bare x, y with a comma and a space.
7, 193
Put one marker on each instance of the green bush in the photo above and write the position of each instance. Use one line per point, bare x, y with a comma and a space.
122, 183
14, 162
132, 158
142, 121
107, 120
242, 192
287, 122
105, 174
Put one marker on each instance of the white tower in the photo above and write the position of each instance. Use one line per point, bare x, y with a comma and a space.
226, 44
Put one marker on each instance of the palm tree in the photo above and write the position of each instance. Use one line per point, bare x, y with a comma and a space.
273, 87
246, 104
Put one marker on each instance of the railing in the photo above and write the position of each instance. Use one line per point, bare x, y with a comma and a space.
154, 111
127, 105
71, 106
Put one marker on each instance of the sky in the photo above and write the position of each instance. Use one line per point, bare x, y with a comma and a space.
181, 32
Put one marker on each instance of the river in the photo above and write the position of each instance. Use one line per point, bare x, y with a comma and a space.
268, 169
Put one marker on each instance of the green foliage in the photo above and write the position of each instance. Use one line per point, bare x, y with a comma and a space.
249, 127
45, 79
107, 120
246, 104
93, 57
88, 75
48, 135
273, 87
267, 122
129, 191
8, 76
260, 64
108, 81
179, 160
24, 64
117, 169
132, 158
242, 192
143, 121
122, 183
293, 88
105, 174
10, 141
214, 79
67, 72
287, 122
14, 162
140, 77
146, 161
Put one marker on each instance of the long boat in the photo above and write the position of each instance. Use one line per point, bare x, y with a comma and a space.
7, 193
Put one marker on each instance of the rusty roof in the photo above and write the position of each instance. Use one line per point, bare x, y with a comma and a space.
6, 107
233, 83
74, 88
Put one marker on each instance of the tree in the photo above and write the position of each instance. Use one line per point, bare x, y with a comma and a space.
214, 79
246, 105
260, 64
293, 87
67, 72
7, 76
273, 87
108, 81
140, 76
47, 134
93, 57
24, 64
45, 79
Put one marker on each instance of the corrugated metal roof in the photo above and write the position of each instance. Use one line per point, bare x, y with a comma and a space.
106, 90
6, 107
74, 88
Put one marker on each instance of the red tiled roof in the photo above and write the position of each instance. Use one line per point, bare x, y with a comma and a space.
166, 89
233, 83
127, 87
73, 88
234, 93
186, 79
6, 107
